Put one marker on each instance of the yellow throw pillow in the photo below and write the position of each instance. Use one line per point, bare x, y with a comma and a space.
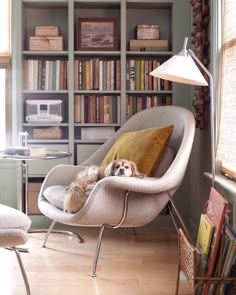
144, 147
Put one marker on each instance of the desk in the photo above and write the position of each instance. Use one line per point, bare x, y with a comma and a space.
23, 162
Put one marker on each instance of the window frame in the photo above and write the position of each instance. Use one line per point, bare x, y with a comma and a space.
5, 63
220, 48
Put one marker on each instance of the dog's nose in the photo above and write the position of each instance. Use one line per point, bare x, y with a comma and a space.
121, 171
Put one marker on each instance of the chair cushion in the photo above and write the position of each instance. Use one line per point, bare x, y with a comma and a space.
144, 147
55, 195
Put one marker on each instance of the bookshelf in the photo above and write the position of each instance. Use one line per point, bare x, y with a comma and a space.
84, 126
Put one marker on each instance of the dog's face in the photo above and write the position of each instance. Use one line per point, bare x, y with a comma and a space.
122, 167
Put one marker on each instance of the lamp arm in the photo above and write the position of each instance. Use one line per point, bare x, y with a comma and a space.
212, 102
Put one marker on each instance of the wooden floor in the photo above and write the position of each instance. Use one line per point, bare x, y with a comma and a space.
143, 264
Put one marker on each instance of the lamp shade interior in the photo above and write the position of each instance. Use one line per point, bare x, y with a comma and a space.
180, 69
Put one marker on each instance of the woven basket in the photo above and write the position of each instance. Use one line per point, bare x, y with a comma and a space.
48, 133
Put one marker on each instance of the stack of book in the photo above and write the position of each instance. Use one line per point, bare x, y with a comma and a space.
97, 109
213, 233
138, 78
45, 74
97, 74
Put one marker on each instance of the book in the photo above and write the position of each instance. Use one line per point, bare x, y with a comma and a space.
37, 151
229, 255
230, 289
215, 210
204, 237
77, 109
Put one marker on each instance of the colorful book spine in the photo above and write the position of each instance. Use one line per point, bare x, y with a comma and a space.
215, 210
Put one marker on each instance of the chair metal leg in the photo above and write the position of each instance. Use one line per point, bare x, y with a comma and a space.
124, 214
22, 270
57, 231
134, 231
97, 251
48, 233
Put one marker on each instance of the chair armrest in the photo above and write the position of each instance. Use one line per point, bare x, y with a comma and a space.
149, 185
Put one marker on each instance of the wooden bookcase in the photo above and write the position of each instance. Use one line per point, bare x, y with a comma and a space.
78, 133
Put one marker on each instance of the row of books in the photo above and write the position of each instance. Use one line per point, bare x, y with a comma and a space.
212, 233
137, 103
97, 109
45, 74
97, 74
138, 78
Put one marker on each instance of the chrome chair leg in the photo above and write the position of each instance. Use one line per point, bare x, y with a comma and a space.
22, 270
97, 251
124, 214
58, 231
48, 233
134, 231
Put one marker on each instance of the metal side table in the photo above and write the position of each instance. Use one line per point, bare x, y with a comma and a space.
23, 199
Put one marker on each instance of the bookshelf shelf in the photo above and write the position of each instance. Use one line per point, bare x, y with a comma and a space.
65, 14
45, 91
45, 124
42, 141
149, 91
45, 53
97, 53
149, 53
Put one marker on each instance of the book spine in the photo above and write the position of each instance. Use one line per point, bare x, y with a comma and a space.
137, 74
132, 74
100, 75
118, 75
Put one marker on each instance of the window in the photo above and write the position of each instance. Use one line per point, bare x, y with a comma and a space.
5, 103
226, 150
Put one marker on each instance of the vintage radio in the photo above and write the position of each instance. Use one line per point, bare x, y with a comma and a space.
44, 111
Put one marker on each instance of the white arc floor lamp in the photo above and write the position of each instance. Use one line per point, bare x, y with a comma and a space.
182, 68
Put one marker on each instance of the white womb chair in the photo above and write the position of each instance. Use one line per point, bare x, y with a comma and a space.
14, 226
126, 202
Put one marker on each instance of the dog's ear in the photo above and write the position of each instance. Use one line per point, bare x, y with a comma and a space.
109, 170
135, 172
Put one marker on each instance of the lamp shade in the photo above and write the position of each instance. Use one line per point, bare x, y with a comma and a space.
180, 68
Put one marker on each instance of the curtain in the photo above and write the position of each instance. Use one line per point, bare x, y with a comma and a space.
226, 149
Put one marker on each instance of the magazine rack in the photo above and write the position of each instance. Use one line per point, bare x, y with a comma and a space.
188, 264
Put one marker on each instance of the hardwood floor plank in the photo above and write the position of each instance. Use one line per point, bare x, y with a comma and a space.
144, 264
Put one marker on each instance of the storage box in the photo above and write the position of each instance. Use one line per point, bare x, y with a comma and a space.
148, 32
32, 198
47, 133
46, 31
46, 43
149, 45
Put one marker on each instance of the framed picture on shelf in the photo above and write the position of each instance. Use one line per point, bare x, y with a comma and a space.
97, 33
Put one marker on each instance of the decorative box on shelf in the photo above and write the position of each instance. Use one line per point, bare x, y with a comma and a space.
46, 31
148, 45
148, 32
46, 43
48, 133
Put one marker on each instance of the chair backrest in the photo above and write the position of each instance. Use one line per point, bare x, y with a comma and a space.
180, 141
